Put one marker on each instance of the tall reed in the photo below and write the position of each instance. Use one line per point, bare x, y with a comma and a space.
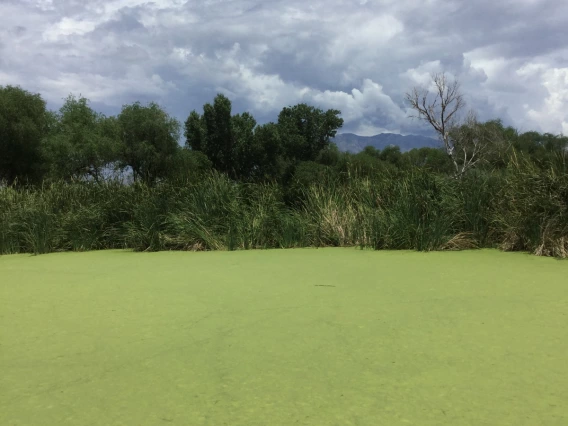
522, 208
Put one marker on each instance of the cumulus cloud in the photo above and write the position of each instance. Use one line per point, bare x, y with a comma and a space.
358, 56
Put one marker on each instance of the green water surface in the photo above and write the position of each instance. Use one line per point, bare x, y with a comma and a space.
283, 337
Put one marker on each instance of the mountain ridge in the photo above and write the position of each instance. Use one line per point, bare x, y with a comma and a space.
350, 142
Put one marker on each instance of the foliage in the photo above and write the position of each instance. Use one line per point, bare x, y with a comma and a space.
228, 141
149, 139
247, 152
532, 213
82, 143
432, 159
187, 166
271, 164
218, 133
239, 185
244, 151
194, 132
306, 130
23, 126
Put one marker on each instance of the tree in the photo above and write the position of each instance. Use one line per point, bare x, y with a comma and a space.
502, 141
218, 133
82, 142
478, 143
246, 153
371, 151
23, 126
229, 141
463, 142
149, 140
194, 132
270, 163
306, 130
236, 146
330, 156
434, 159
391, 154
543, 149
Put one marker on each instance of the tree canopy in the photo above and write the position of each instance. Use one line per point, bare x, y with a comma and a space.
82, 142
142, 141
149, 139
24, 123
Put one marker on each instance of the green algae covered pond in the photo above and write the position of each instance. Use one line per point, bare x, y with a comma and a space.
283, 337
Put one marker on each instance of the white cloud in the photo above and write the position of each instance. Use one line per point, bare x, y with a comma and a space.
67, 27
359, 56
369, 102
421, 75
361, 35
553, 114
114, 92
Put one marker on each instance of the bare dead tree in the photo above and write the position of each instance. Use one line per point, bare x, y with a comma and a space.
464, 141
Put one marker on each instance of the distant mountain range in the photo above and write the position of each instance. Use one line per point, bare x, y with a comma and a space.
355, 143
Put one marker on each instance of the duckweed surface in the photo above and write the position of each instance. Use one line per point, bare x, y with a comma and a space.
283, 337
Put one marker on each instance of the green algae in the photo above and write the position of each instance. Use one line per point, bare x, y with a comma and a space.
283, 337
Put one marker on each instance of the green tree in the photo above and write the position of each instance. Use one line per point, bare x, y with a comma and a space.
82, 142
229, 141
433, 159
270, 164
194, 132
247, 154
478, 144
330, 155
236, 146
502, 138
391, 154
543, 149
306, 130
218, 133
371, 151
23, 126
149, 138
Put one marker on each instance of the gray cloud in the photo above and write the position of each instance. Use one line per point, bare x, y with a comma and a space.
356, 56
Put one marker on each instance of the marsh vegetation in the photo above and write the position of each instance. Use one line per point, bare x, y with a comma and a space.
78, 180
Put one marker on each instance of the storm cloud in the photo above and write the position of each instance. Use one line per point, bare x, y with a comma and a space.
356, 56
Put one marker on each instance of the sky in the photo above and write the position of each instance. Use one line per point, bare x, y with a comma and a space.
358, 56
